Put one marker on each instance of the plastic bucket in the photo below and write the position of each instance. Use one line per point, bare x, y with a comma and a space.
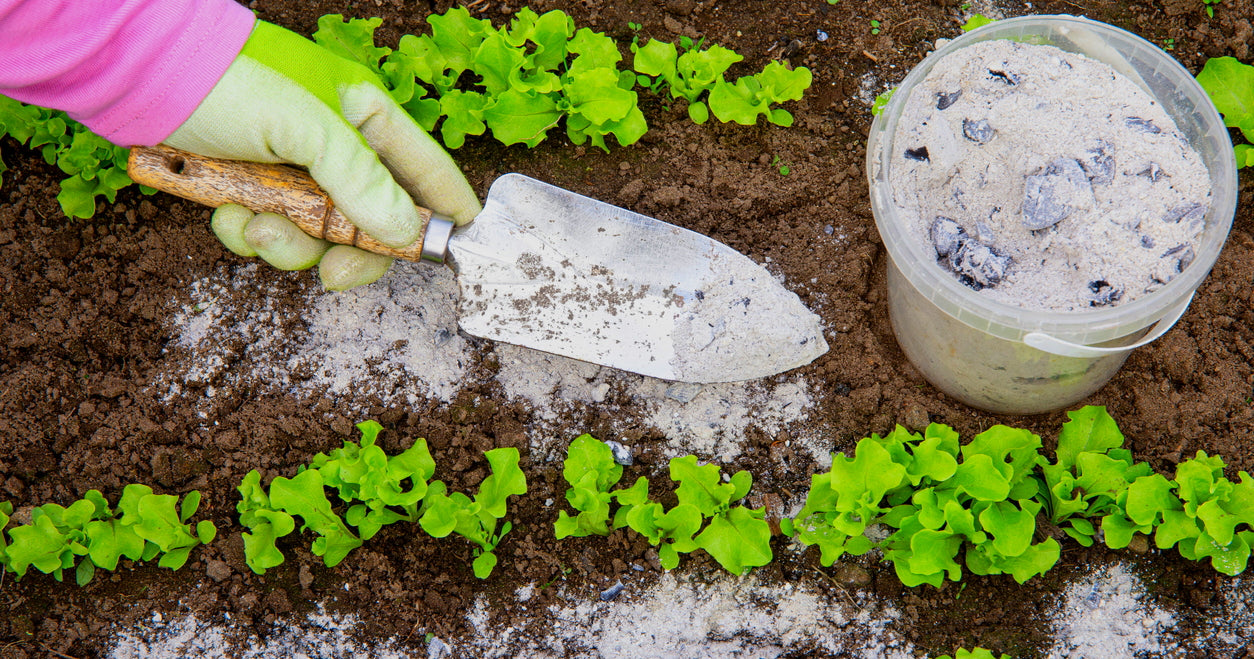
1007, 359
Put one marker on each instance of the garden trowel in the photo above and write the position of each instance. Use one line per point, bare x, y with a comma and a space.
549, 269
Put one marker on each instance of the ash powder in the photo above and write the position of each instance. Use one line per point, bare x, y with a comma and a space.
1063, 185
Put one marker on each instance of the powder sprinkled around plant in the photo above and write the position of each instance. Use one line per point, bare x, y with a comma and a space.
707, 420
685, 616
1045, 179
1108, 615
396, 339
323, 635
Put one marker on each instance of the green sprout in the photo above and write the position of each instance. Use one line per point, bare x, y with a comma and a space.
875, 26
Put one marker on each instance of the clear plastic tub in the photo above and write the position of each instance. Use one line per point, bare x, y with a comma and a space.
1007, 359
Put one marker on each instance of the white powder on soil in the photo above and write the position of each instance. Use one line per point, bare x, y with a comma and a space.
406, 321
1046, 179
687, 616
318, 636
363, 341
1106, 616
706, 420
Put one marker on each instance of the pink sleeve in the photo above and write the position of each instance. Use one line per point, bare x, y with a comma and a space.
131, 70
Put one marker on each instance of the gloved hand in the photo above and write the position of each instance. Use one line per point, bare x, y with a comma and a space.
286, 99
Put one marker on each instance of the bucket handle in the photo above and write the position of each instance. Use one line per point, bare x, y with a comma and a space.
1057, 346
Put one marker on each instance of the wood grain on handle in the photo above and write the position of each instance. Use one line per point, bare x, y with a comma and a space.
261, 188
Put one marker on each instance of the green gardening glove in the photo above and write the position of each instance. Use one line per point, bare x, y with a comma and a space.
286, 99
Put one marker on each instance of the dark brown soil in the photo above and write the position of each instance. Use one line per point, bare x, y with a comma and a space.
86, 326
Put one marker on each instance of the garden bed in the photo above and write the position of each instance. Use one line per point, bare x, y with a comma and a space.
137, 349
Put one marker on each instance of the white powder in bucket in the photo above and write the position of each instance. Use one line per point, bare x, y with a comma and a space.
1045, 179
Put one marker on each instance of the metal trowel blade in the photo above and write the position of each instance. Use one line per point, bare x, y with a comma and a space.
549, 269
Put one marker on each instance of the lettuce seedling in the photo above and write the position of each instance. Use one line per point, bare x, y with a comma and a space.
1090, 479
476, 519
93, 535
1230, 85
697, 76
378, 489
1201, 517
736, 536
373, 483
94, 166
937, 504
974, 653
6, 509
265, 524
590, 471
671, 531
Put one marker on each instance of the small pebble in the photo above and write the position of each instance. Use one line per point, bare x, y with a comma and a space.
685, 392
609, 594
852, 575
622, 454
977, 131
821, 36
829, 229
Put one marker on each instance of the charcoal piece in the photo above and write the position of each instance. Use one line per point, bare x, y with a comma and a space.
1183, 255
1103, 293
1051, 196
1153, 172
1192, 215
977, 131
1147, 242
978, 265
1186, 212
947, 235
1142, 125
1099, 163
919, 154
944, 100
1004, 76
984, 233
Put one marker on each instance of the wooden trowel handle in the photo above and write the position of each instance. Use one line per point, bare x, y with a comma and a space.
261, 188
